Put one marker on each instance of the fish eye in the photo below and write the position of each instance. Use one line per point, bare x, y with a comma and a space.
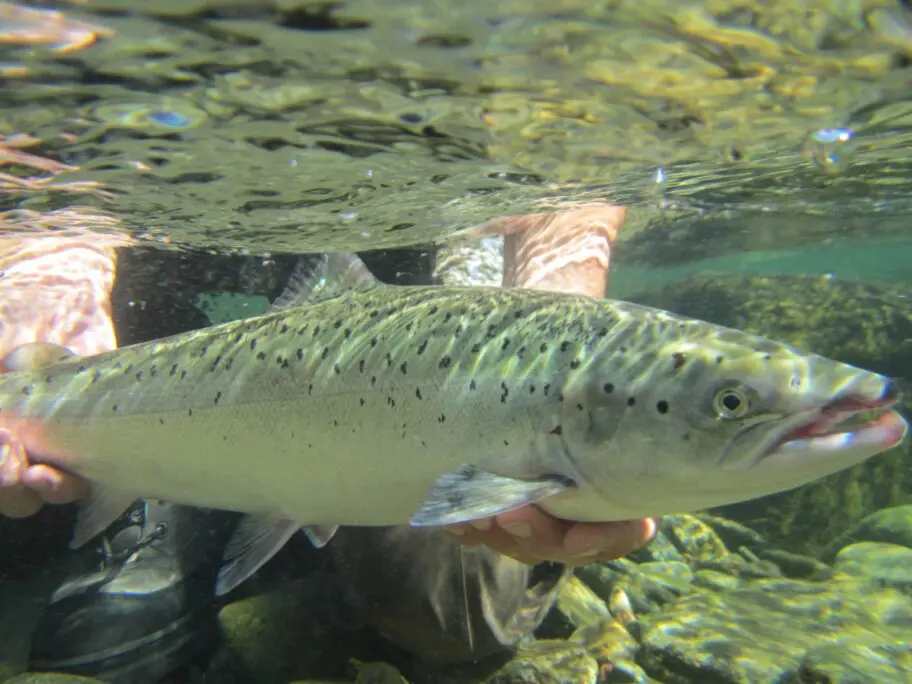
731, 402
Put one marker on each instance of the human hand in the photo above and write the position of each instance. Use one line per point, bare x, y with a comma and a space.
531, 536
25, 488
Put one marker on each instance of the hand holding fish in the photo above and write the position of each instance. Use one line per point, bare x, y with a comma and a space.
24, 488
531, 536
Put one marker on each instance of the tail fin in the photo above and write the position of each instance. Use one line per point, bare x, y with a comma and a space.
329, 276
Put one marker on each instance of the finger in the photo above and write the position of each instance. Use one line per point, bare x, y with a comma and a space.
607, 541
52, 485
18, 502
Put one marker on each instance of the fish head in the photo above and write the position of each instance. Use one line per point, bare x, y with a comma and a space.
711, 416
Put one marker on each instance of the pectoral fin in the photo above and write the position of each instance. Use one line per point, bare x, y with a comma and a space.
34, 355
102, 507
469, 493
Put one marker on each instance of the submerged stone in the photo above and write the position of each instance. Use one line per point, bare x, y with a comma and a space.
889, 565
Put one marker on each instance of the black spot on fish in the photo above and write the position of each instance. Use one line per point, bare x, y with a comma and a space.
520, 352
767, 356
348, 333
391, 402
325, 353
253, 344
685, 437
504, 392
579, 407
238, 338
337, 368
623, 349
282, 361
662, 406
442, 418
303, 329
547, 389
608, 387
173, 370
284, 329
338, 324
404, 367
215, 364
472, 385
519, 314
374, 341
631, 401
154, 371
422, 347
445, 362
300, 354
506, 343
183, 374
446, 319
139, 375
373, 380
316, 331
204, 350
389, 360
161, 421
128, 369
458, 331
531, 389
543, 348
560, 397
575, 364
677, 361
81, 369
261, 355
310, 388
418, 392
96, 376
719, 359
361, 366
409, 326
362, 401
229, 363
114, 408
190, 413
335, 423
374, 313
433, 310
218, 395
559, 430
476, 348
564, 346
602, 333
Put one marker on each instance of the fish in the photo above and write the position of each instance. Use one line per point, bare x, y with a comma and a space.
432, 405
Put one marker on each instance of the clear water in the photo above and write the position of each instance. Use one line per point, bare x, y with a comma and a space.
762, 155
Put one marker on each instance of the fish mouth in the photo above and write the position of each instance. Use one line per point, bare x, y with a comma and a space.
863, 425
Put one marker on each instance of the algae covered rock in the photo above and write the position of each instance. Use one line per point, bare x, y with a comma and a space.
866, 325
890, 565
855, 664
764, 630
890, 525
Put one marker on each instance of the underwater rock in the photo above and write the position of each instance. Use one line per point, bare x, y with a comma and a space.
733, 534
853, 664
890, 565
274, 636
764, 630
867, 325
890, 525
693, 538
599, 652
798, 566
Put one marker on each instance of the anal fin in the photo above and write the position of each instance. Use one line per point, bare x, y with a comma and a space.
101, 507
319, 535
468, 493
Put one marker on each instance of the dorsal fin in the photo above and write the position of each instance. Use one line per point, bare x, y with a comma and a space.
330, 275
33, 355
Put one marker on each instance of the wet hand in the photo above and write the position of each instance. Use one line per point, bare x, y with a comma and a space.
25, 488
532, 536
